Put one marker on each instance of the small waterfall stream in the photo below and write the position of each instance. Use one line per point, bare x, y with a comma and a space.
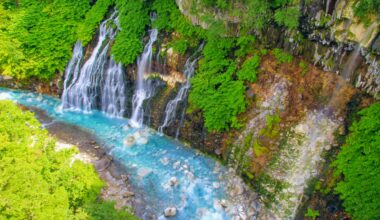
99, 83
143, 89
172, 106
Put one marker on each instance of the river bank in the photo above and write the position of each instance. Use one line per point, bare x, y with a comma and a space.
117, 187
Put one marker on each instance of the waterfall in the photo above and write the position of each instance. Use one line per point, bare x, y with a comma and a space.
354, 59
172, 106
99, 83
71, 72
143, 91
113, 95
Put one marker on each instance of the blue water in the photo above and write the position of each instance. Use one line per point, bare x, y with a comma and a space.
151, 165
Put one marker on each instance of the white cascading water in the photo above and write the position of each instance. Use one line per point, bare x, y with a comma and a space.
113, 92
72, 72
143, 90
99, 83
172, 106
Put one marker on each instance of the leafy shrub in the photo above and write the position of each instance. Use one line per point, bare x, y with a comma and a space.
366, 8
245, 44
358, 163
94, 16
214, 90
249, 69
258, 16
180, 46
38, 182
36, 37
282, 57
133, 18
287, 17
304, 67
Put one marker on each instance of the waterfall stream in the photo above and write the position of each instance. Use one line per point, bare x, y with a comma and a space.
163, 173
172, 106
99, 83
143, 89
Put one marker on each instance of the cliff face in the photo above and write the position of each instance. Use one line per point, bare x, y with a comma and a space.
329, 36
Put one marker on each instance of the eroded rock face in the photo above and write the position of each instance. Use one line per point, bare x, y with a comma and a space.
327, 36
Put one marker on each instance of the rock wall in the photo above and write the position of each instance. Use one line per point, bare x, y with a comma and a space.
327, 37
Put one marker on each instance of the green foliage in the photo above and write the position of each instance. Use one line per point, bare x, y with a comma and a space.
366, 8
94, 16
133, 18
258, 16
106, 211
36, 37
304, 67
358, 163
249, 69
214, 89
258, 149
38, 182
180, 46
287, 17
281, 56
313, 214
245, 44
170, 19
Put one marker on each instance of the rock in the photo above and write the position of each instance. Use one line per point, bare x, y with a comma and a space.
223, 203
129, 141
129, 194
218, 151
142, 141
173, 181
170, 212
176, 165
216, 185
142, 172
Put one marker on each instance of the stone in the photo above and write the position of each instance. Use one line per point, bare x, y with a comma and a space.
218, 151
173, 181
170, 211
216, 185
129, 141
129, 194
223, 203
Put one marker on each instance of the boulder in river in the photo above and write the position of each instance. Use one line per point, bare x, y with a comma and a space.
170, 211
129, 141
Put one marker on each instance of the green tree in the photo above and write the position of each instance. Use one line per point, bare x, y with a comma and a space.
359, 164
39, 182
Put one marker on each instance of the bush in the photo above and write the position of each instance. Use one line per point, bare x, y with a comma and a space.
36, 37
94, 16
38, 182
287, 17
214, 90
133, 19
366, 8
358, 163
249, 69
282, 57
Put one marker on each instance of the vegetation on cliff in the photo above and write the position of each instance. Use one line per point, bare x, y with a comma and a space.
39, 182
358, 163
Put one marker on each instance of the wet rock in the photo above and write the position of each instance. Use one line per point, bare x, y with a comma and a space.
176, 165
173, 181
102, 164
129, 141
216, 185
223, 203
170, 212
129, 194
218, 151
